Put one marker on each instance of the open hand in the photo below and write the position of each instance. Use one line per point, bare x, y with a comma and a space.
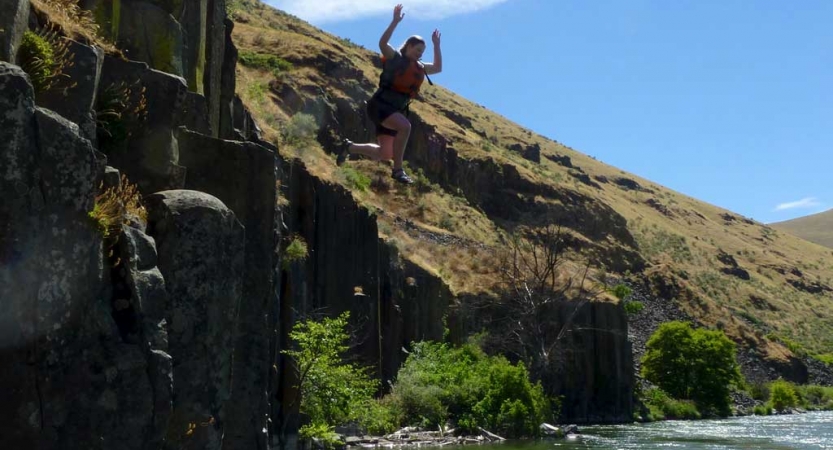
435, 37
398, 15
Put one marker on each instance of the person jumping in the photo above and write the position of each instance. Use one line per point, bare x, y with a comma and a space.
401, 78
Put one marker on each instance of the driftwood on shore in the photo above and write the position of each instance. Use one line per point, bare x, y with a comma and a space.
411, 437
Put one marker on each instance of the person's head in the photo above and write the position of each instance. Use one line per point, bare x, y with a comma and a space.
413, 48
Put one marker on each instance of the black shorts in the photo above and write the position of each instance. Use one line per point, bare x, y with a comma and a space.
379, 110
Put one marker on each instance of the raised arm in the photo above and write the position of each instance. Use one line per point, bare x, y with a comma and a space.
437, 65
384, 46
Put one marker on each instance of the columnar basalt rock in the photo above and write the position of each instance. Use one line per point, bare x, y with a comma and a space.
77, 103
147, 151
71, 380
244, 176
13, 23
200, 246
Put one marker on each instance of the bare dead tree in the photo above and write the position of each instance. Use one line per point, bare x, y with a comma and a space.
541, 298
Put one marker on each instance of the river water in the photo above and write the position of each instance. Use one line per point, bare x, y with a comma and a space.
795, 431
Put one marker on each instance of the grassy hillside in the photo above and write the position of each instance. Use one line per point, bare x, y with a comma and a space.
763, 286
816, 228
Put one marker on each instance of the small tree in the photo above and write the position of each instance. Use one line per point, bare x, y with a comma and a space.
332, 391
690, 364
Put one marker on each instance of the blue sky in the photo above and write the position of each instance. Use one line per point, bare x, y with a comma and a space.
730, 101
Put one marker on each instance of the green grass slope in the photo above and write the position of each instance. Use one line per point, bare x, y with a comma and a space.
761, 285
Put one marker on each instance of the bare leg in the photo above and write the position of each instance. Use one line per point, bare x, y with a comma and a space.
386, 142
400, 123
372, 151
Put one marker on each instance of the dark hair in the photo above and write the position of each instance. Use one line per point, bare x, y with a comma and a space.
413, 40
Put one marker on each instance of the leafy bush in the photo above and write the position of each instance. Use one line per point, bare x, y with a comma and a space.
634, 307
300, 129
332, 392
759, 391
690, 364
264, 61
661, 406
782, 395
815, 397
232, 8
380, 417
621, 291
762, 410
463, 385
324, 433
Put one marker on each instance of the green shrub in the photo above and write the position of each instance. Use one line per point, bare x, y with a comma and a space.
690, 364
759, 391
233, 7
380, 417
257, 92
356, 179
815, 397
300, 129
296, 250
324, 433
763, 410
661, 406
634, 307
782, 395
332, 391
447, 222
621, 291
439, 383
264, 61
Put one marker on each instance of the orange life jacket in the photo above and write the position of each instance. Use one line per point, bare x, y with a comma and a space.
402, 75
400, 80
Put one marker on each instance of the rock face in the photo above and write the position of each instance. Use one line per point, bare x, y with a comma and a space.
204, 299
78, 102
147, 151
397, 302
13, 23
150, 33
190, 39
71, 378
597, 381
246, 181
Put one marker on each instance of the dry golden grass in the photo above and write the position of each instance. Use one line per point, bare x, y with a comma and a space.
686, 239
114, 205
817, 228
74, 22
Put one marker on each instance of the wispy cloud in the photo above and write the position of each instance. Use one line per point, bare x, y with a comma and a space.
804, 203
322, 11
